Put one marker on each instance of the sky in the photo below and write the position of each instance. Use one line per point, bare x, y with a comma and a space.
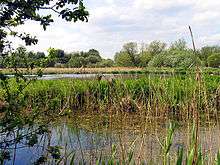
115, 22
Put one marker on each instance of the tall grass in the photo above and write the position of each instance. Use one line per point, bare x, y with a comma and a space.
158, 96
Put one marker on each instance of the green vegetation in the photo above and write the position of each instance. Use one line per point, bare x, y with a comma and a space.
156, 54
154, 95
56, 58
29, 107
214, 60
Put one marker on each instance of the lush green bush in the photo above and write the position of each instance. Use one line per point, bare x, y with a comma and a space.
173, 59
158, 60
157, 54
123, 59
214, 60
145, 57
106, 63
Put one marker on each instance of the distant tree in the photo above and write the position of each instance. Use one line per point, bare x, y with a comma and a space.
106, 63
38, 58
214, 60
178, 59
149, 51
37, 55
19, 58
93, 56
145, 57
83, 54
55, 53
22, 58
156, 47
179, 45
123, 59
1, 62
91, 59
207, 51
31, 55
93, 52
40, 55
66, 58
55, 56
77, 60
158, 60
178, 55
174, 59
131, 50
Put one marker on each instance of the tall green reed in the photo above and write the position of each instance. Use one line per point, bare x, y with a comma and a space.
157, 96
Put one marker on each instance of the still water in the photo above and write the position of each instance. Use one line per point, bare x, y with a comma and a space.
90, 136
90, 76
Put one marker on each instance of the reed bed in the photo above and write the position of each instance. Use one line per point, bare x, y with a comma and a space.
158, 96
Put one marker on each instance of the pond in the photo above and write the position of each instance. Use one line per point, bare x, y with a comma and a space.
91, 76
92, 136
87, 76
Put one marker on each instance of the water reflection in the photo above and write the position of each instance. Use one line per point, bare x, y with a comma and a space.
90, 76
87, 76
89, 136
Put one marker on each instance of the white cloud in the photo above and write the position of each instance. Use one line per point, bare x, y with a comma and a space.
161, 4
204, 5
206, 17
212, 39
112, 23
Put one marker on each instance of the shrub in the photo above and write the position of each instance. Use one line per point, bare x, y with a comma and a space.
214, 60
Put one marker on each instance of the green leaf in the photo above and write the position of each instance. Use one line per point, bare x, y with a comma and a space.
180, 156
72, 159
218, 159
190, 157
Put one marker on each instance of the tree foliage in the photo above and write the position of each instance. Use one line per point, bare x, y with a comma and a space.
179, 45
106, 63
123, 59
207, 51
91, 58
214, 60
145, 58
157, 54
131, 50
156, 47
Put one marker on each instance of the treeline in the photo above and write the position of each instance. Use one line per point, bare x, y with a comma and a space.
158, 54
154, 54
55, 58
